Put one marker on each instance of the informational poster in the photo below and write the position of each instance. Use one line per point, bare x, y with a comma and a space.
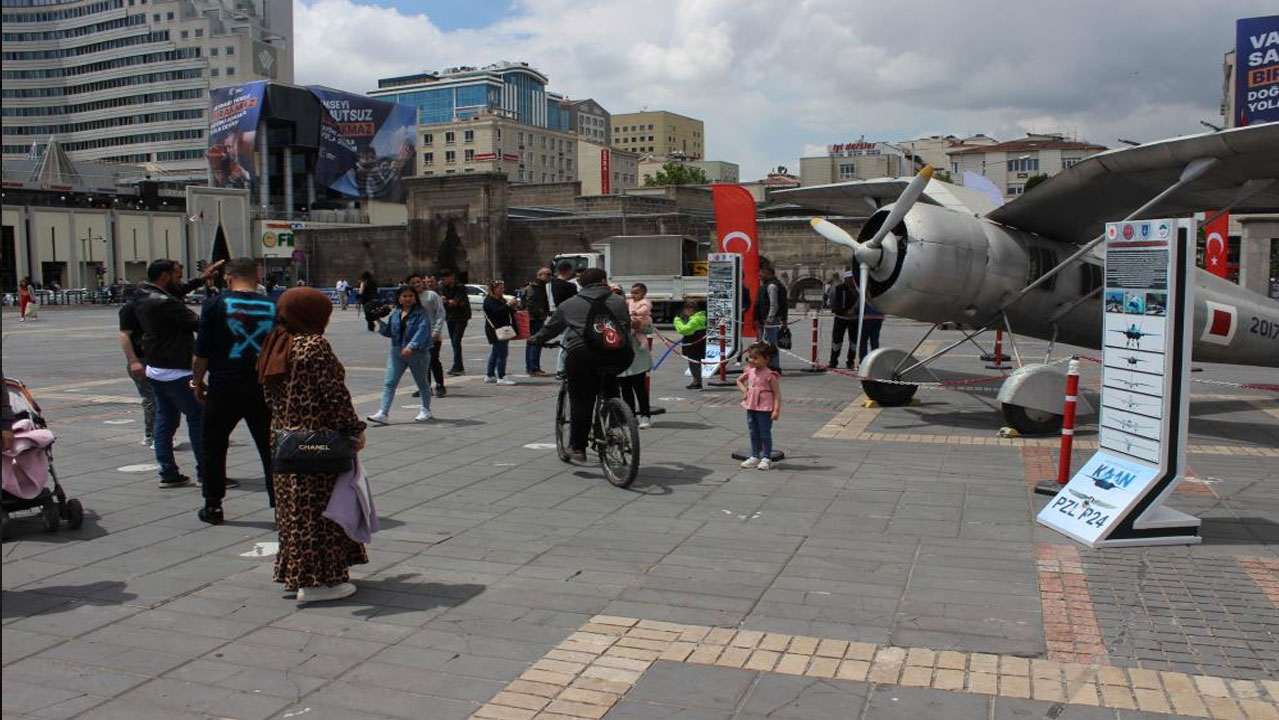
1256, 70
723, 308
1116, 498
367, 146
233, 127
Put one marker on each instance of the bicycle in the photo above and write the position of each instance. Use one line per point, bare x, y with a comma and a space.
614, 436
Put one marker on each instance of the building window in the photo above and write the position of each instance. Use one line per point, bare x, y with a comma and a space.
847, 171
213, 72
1023, 165
199, 32
168, 16
428, 139
1014, 190
1070, 162
428, 158
497, 133
469, 156
213, 52
230, 49
450, 157
450, 137
230, 71
468, 136
155, 17
183, 34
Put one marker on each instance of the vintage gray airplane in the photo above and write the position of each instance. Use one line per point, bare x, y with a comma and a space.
1032, 266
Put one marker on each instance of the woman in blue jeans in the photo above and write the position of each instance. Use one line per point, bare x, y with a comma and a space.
410, 332
498, 313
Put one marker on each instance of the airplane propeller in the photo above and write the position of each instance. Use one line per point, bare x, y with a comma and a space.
870, 252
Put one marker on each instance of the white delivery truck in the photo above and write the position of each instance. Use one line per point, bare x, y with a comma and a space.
673, 267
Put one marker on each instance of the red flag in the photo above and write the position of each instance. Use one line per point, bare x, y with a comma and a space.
735, 231
1216, 238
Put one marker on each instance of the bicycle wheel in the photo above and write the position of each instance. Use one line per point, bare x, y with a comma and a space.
619, 448
562, 414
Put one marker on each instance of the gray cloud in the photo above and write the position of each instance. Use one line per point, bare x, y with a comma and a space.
769, 78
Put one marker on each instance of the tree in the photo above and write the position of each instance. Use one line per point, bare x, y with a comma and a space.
677, 174
1032, 181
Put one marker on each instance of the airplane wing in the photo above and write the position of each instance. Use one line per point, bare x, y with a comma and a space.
860, 198
1073, 205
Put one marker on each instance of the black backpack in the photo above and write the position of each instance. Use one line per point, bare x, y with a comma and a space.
605, 337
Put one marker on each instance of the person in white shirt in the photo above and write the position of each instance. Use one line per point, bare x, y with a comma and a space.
343, 289
431, 301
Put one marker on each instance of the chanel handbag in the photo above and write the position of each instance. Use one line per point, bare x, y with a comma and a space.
304, 452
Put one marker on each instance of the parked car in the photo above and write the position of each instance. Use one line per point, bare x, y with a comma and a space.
477, 293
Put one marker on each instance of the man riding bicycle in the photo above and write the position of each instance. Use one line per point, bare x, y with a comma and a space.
589, 375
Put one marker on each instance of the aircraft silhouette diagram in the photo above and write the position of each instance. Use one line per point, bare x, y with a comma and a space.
1133, 335
1089, 499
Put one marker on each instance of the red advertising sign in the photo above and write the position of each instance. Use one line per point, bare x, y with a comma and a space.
482, 157
605, 156
510, 157
735, 233
1216, 240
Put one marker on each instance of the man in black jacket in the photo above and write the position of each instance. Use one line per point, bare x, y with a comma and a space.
770, 309
562, 288
538, 305
457, 311
168, 337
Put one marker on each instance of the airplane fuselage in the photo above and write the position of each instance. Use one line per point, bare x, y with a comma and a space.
952, 267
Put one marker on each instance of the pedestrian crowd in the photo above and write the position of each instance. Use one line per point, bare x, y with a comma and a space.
248, 358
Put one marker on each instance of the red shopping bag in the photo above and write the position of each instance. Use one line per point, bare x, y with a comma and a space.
521, 325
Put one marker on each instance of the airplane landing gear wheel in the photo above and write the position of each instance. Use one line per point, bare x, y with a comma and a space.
888, 395
1028, 421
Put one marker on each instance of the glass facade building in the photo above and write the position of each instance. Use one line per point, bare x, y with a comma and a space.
511, 90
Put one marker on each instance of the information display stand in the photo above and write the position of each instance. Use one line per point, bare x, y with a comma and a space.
723, 309
1117, 498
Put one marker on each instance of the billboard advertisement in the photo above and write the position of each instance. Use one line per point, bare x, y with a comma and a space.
367, 146
233, 128
1256, 70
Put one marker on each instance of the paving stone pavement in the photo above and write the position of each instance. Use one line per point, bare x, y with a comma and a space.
498, 565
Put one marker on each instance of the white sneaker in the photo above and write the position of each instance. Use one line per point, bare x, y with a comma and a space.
490, 379
765, 464
424, 415
505, 381
379, 418
645, 423
750, 462
320, 594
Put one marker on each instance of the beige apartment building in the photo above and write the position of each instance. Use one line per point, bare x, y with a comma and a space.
933, 149
490, 143
604, 170
1010, 164
859, 160
660, 133
717, 171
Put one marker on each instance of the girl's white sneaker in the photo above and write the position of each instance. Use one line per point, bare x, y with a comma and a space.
751, 462
765, 464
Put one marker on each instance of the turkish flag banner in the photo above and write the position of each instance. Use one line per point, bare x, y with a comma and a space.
735, 233
1216, 240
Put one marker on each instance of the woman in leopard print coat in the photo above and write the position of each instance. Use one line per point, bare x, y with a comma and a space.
305, 387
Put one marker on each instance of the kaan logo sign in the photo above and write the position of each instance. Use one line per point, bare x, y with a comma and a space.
272, 239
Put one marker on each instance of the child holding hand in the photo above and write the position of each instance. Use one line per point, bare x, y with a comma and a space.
761, 391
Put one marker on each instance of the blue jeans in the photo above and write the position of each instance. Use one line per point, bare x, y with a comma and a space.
770, 337
533, 353
174, 399
497, 358
416, 363
760, 424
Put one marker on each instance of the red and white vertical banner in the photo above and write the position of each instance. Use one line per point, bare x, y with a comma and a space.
735, 232
1216, 241
606, 173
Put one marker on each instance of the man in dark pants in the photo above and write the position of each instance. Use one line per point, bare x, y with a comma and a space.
233, 326
843, 303
538, 305
562, 288
585, 379
457, 311
770, 310
168, 336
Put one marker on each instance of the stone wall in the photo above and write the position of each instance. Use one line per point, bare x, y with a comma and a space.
552, 195
461, 222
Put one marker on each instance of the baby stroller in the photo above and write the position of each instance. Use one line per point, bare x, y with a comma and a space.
53, 504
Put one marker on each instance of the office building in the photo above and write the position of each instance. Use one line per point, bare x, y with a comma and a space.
860, 160
1010, 164
604, 170
127, 81
590, 121
716, 171
661, 134
498, 143
509, 90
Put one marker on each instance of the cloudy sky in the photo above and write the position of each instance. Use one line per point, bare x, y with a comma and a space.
777, 79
